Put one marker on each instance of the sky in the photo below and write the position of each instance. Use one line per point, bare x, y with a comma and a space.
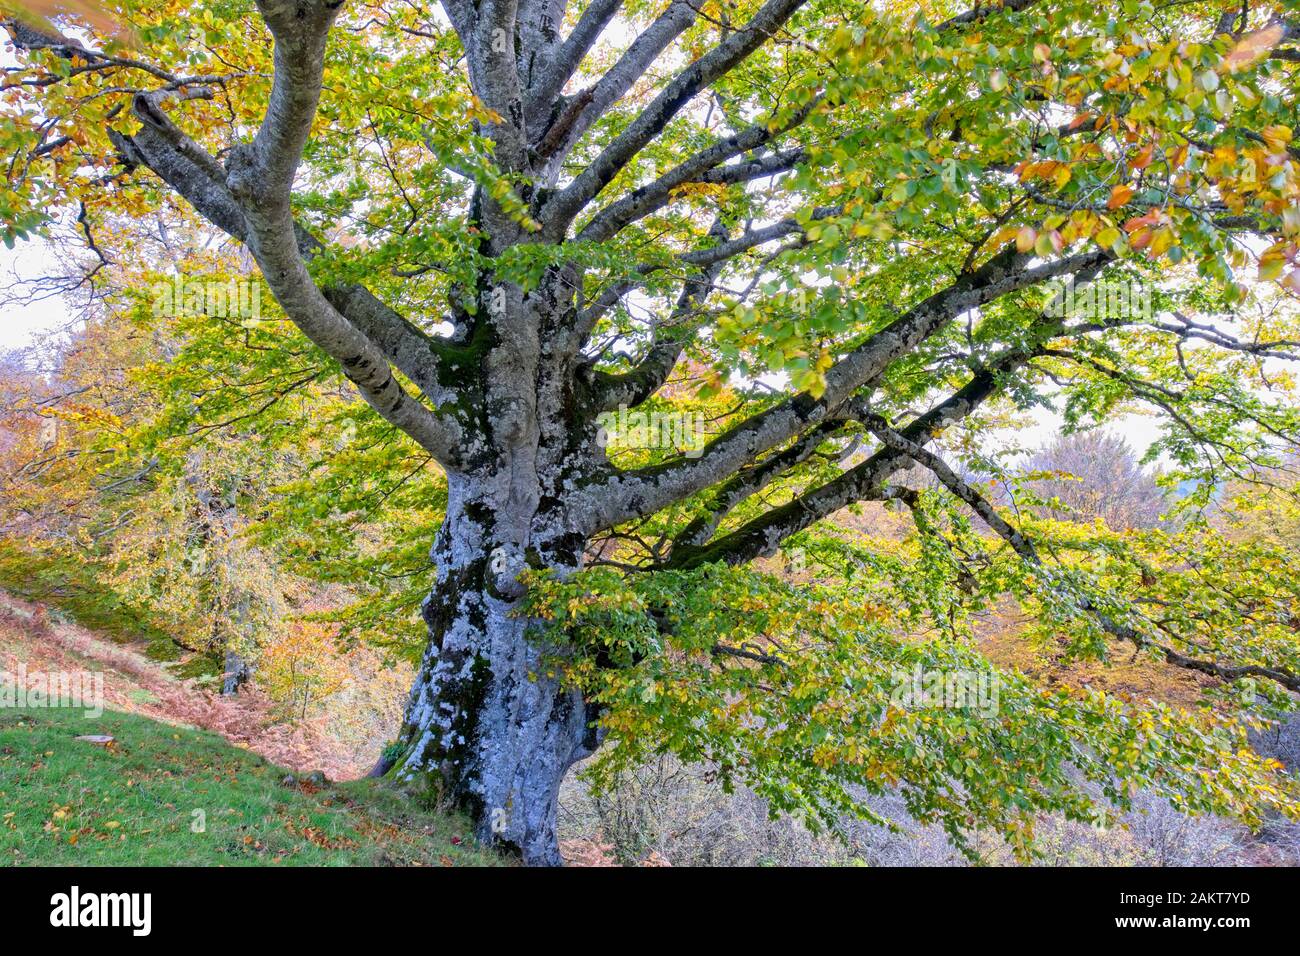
22, 325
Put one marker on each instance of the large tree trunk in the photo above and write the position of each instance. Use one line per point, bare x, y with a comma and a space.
490, 725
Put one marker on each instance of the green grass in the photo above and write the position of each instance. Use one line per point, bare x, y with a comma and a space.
68, 802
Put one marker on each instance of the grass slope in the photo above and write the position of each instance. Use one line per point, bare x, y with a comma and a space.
68, 802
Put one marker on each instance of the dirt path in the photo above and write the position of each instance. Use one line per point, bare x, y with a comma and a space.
31, 637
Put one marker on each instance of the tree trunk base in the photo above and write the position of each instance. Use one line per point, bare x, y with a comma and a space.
491, 729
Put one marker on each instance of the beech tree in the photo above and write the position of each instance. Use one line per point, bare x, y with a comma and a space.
846, 229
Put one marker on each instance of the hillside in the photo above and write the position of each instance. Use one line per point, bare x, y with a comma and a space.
164, 795
164, 791
179, 748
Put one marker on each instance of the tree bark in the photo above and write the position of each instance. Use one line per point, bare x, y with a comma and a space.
490, 726
235, 673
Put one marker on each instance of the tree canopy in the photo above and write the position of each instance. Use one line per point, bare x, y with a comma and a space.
831, 243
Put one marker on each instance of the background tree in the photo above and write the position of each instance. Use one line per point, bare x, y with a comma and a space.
1098, 475
153, 477
504, 220
1265, 510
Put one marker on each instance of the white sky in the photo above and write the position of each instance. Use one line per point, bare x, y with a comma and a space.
1138, 430
22, 325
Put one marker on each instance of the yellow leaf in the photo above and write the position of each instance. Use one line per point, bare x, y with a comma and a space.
1270, 267
1252, 47
1276, 137
1108, 237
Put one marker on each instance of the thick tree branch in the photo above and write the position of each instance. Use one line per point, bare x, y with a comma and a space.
764, 534
462, 15
1185, 328
904, 445
637, 493
982, 11
634, 387
539, 23
265, 168
611, 87
199, 179
551, 78
699, 168
952, 481
251, 203
561, 210
564, 207
498, 83
750, 481
181, 163
703, 257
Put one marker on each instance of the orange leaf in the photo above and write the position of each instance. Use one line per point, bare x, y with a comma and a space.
1143, 159
1119, 196
89, 10
1137, 222
1276, 137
